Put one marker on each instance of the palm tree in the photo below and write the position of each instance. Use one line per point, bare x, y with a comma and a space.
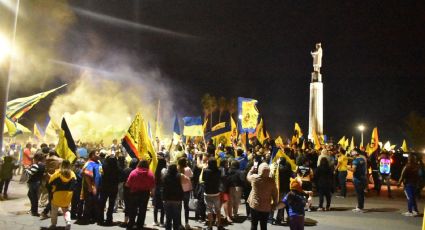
222, 104
206, 105
213, 108
232, 106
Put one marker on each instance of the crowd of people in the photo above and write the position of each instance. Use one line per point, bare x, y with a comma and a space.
208, 179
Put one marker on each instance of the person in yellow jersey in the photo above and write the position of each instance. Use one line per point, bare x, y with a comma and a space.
341, 168
61, 185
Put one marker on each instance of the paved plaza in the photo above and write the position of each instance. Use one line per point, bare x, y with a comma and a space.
382, 213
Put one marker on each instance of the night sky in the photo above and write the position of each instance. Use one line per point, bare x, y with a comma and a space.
373, 56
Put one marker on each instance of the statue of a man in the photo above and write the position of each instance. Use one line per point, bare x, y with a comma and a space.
317, 57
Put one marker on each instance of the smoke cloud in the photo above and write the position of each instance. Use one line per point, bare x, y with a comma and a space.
103, 100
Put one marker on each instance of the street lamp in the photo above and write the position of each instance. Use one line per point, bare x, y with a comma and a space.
6, 51
361, 128
5, 48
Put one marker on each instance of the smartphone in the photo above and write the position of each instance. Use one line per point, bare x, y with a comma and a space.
255, 164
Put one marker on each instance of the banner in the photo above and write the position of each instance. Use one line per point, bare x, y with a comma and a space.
248, 114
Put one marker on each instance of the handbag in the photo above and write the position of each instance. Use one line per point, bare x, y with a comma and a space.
193, 203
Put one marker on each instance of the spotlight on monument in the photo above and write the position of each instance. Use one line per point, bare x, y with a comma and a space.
361, 127
5, 48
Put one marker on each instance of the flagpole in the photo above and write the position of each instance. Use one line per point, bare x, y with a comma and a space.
6, 69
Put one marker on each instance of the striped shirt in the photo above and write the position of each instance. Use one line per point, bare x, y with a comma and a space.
35, 172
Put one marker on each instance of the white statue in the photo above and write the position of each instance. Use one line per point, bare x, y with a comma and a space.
317, 57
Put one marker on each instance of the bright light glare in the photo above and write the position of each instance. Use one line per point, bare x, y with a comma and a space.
361, 128
240, 117
5, 48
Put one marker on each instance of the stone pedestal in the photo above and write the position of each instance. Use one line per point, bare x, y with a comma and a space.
316, 105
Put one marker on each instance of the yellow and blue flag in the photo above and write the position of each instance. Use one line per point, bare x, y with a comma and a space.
66, 147
220, 134
193, 126
248, 114
17, 107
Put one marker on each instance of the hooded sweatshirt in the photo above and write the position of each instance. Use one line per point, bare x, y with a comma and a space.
140, 180
62, 188
264, 190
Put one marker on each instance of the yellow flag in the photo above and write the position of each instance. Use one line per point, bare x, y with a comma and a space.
260, 135
280, 154
374, 142
316, 141
297, 134
279, 141
145, 147
341, 142
303, 147
404, 146
351, 145
234, 129
346, 143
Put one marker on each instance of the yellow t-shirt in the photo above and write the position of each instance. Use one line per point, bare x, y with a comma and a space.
342, 161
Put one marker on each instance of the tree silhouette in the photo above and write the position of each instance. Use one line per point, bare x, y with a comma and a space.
222, 104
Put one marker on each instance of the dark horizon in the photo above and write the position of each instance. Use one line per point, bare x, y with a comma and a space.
373, 57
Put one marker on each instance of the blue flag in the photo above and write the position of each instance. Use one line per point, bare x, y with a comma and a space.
176, 129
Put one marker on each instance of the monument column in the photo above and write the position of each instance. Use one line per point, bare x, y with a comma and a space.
316, 95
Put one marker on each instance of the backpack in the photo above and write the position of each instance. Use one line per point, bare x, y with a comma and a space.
385, 166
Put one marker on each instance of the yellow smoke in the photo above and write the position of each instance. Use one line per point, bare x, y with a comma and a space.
98, 108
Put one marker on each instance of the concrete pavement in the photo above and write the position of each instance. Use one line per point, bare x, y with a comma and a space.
382, 213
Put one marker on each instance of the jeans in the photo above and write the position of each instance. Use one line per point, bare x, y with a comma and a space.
33, 189
342, 178
5, 183
376, 181
325, 193
107, 194
91, 206
186, 199
138, 206
296, 223
76, 204
410, 191
173, 213
387, 180
257, 216
359, 186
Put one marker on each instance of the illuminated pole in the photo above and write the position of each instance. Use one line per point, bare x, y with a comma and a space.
6, 70
361, 128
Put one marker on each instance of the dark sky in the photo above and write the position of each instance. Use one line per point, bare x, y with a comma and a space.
373, 64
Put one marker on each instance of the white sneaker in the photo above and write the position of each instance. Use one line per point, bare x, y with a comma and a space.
68, 225
358, 210
407, 214
415, 213
320, 209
